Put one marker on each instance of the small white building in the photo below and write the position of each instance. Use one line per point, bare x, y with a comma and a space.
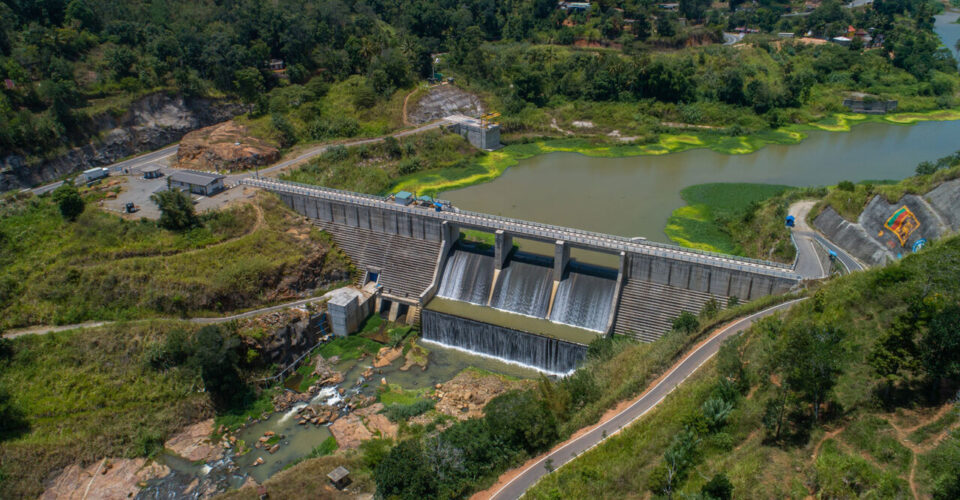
192, 181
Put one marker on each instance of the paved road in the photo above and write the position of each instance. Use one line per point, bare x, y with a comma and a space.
43, 330
808, 261
650, 399
132, 163
732, 38
162, 154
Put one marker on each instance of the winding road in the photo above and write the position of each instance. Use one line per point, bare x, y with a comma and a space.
232, 179
515, 485
808, 261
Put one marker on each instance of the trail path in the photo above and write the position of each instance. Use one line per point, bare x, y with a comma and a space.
513, 484
43, 330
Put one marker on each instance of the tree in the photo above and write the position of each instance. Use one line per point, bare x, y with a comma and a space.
665, 26
248, 83
686, 322
812, 359
404, 473
79, 10
521, 421
68, 200
940, 346
214, 355
176, 210
718, 488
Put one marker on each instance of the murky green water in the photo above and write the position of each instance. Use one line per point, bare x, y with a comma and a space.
635, 196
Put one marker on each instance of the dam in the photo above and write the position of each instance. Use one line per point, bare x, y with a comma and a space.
495, 300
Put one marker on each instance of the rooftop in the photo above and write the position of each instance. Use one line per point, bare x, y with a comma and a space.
195, 177
337, 474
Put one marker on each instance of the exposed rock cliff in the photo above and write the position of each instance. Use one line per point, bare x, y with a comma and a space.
225, 146
150, 123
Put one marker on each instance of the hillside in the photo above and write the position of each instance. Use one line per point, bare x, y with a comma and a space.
75, 73
102, 267
850, 394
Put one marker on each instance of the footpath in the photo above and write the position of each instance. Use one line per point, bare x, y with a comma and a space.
43, 330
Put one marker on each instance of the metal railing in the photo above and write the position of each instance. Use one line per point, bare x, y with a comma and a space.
536, 229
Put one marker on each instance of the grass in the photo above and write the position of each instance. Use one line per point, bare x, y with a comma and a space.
865, 457
263, 405
308, 475
351, 347
88, 394
710, 208
102, 267
934, 428
849, 204
396, 395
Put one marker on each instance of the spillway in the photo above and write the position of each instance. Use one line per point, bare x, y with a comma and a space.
524, 288
467, 276
546, 354
584, 300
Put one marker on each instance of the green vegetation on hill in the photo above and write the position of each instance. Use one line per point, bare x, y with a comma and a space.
835, 399
101, 267
376, 168
345, 67
86, 395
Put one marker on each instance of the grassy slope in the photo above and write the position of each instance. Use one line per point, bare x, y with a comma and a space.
102, 267
88, 394
701, 224
868, 451
849, 204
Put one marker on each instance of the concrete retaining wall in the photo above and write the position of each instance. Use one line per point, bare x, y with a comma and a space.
867, 239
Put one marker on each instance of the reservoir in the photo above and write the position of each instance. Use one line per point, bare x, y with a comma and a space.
634, 196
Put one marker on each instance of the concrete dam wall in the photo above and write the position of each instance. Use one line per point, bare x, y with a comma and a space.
544, 353
414, 254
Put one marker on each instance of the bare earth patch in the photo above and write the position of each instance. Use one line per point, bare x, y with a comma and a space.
108, 478
193, 443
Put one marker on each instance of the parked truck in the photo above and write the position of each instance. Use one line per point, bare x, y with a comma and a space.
94, 174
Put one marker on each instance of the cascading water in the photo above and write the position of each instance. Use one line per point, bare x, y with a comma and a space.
584, 300
467, 276
546, 354
524, 288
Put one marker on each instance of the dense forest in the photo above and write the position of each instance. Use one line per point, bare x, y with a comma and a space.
62, 62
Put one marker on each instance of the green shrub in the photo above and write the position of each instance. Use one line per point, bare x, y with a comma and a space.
401, 412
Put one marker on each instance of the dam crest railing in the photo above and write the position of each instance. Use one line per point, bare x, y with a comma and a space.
523, 227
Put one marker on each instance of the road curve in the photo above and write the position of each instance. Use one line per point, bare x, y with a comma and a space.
516, 487
43, 330
808, 261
